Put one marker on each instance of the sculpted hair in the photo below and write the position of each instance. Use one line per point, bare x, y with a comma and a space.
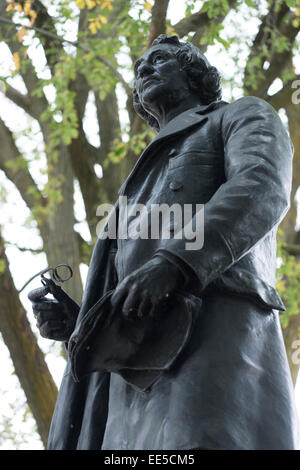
204, 79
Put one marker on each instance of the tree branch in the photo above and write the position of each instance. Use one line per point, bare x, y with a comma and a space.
20, 177
44, 22
283, 23
37, 104
283, 97
34, 251
23, 101
50, 35
158, 19
28, 360
292, 249
199, 22
34, 107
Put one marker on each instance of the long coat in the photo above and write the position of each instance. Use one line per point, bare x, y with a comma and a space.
231, 388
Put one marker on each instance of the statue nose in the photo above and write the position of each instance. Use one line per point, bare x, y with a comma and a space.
145, 69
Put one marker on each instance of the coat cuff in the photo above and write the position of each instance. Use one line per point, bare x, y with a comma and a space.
204, 265
190, 279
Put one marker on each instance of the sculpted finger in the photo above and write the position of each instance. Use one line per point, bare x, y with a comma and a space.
45, 306
144, 307
152, 309
42, 317
51, 328
36, 294
119, 296
130, 305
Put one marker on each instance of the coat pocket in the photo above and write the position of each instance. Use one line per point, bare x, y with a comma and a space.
193, 177
195, 158
245, 284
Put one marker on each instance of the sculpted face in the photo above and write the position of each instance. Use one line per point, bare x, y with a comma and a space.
159, 79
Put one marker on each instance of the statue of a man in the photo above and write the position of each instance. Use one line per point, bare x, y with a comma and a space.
231, 387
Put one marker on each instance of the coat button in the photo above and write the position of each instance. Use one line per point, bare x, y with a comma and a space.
175, 185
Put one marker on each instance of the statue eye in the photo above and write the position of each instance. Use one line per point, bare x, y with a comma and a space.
158, 58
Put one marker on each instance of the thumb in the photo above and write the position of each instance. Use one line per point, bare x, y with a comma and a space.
36, 294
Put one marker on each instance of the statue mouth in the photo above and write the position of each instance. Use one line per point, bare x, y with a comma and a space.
148, 81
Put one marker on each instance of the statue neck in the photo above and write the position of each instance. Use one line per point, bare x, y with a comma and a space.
164, 113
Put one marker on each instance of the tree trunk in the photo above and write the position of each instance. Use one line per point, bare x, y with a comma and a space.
28, 359
60, 240
290, 334
288, 225
292, 331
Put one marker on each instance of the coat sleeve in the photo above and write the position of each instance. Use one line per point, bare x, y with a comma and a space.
254, 198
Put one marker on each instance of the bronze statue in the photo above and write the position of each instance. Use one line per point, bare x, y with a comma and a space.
227, 385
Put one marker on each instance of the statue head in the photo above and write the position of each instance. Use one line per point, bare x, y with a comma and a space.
204, 81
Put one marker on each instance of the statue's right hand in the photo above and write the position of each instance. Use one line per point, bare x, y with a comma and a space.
55, 319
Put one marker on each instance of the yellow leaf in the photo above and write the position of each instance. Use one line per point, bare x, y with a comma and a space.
148, 6
90, 4
93, 27
33, 16
10, 6
102, 19
19, 7
27, 8
21, 33
296, 23
106, 4
17, 61
80, 4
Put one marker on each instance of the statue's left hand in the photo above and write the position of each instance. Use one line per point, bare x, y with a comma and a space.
140, 292
56, 319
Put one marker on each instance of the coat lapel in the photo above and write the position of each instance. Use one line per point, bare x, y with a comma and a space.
179, 124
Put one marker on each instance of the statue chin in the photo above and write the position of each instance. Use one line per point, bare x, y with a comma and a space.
152, 93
